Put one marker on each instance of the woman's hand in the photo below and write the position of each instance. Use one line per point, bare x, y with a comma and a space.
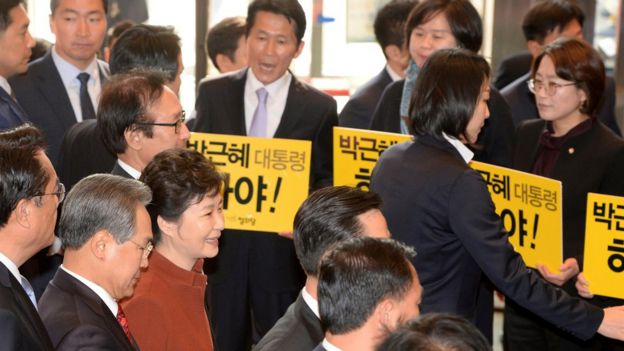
582, 286
568, 269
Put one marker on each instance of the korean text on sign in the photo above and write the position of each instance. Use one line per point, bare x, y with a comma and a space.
266, 179
530, 208
604, 245
356, 151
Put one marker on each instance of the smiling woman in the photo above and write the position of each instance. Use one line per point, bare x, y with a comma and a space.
187, 220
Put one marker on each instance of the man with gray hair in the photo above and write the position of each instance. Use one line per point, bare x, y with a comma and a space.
106, 232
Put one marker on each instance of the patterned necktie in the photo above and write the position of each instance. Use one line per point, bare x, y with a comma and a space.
123, 321
86, 106
259, 121
29, 290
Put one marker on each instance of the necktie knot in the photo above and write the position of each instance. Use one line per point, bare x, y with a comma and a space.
262, 95
84, 78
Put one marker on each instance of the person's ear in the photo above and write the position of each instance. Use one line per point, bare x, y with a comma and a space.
101, 243
299, 49
22, 212
534, 47
167, 228
223, 63
134, 138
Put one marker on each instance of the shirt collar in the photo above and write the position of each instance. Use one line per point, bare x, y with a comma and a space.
272, 88
69, 72
463, 150
11, 266
311, 302
4, 84
393, 75
110, 302
329, 346
129, 169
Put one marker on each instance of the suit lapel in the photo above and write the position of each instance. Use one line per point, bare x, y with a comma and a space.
51, 87
19, 115
235, 105
68, 283
295, 105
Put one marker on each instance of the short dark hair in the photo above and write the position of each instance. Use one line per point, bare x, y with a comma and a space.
101, 202
178, 178
21, 174
578, 62
549, 15
5, 8
291, 9
223, 38
327, 216
55, 3
390, 21
436, 332
356, 275
146, 48
117, 30
446, 92
124, 101
461, 15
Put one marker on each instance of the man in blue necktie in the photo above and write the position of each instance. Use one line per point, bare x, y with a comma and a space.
15, 46
30, 193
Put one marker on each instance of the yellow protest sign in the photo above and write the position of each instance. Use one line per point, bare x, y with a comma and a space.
530, 208
356, 151
267, 179
604, 245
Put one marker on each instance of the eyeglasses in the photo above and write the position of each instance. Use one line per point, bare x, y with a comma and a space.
550, 88
177, 124
147, 249
60, 192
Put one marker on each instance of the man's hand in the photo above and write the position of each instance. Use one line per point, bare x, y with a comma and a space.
582, 286
612, 325
568, 269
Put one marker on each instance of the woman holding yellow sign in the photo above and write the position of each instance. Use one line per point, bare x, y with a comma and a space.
436, 203
568, 80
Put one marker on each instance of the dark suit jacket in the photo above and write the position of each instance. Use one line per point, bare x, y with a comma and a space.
319, 347
11, 113
298, 329
42, 94
598, 151
523, 107
117, 170
358, 111
20, 325
511, 68
496, 137
77, 318
309, 115
83, 153
434, 202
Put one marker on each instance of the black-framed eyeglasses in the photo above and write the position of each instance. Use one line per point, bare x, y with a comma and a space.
59, 193
147, 249
550, 88
177, 124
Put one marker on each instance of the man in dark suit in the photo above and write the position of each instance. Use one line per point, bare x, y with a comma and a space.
140, 48
63, 87
15, 46
29, 196
328, 216
544, 23
107, 233
390, 34
511, 68
139, 117
260, 270
367, 287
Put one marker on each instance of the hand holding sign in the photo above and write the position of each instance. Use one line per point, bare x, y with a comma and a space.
582, 286
568, 269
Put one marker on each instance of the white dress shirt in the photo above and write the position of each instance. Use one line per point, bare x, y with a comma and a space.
4, 84
110, 302
69, 76
276, 101
329, 347
393, 75
129, 169
12, 267
463, 150
311, 302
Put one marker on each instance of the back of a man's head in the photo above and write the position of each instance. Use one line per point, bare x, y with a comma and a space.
357, 275
328, 216
390, 21
125, 100
147, 48
101, 202
548, 16
224, 38
436, 332
21, 173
